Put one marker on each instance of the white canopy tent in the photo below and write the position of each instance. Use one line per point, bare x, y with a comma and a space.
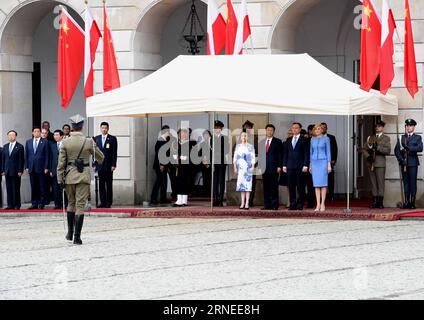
279, 84
290, 84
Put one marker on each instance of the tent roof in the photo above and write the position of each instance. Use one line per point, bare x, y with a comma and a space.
290, 84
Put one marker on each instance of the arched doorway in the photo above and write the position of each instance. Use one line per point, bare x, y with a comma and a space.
328, 30
28, 81
156, 42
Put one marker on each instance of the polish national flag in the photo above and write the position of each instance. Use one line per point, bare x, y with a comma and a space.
243, 29
388, 26
92, 37
216, 29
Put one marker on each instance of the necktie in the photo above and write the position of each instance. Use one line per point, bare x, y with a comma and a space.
294, 141
35, 145
103, 141
267, 145
58, 146
10, 148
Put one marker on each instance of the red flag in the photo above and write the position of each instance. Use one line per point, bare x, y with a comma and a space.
410, 70
70, 57
216, 29
231, 29
388, 26
370, 46
110, 68
92, 37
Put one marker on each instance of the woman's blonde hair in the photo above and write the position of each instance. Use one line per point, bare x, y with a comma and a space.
318, 125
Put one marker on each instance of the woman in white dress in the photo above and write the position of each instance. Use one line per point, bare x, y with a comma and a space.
244, 162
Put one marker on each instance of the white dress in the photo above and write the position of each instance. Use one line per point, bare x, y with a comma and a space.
244, 159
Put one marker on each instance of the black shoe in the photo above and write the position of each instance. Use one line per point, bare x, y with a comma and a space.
177, 205
17, 208
165, 201
101, 206
8, 208
79, 221
41, 207
275, 209
373, 205
33, 207
154, 203
299, 208
241, 208
57, 207
246, 208
71, 223
412, 203
292, 208
265, 208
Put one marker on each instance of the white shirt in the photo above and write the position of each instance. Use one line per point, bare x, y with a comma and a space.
296, 137
379, 134
104, 137
11, 146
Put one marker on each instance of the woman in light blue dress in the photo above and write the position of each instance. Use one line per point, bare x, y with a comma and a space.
244, 163
320, 165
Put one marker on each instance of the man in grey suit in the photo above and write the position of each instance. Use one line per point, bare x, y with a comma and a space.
376, 149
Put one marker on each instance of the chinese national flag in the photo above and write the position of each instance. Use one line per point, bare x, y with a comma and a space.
370, 46
110, 68
70, 57
231, 29
388, 26
410, 71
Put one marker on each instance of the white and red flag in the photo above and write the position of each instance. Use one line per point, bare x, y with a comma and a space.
92, 37
216, 30
388, 27
243, 28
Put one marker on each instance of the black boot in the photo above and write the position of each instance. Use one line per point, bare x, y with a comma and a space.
406, 203
71, 224
79, 220
374, 203
412, 203
380, 200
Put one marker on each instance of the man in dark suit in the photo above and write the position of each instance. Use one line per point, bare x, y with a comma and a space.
161, 168
220, 147
407, 147
46, 126
37, 165
13, 160
295, 163
334, 151
108, 145
54, 155
272, 148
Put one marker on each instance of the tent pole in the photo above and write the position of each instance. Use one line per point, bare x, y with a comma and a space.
348, 209
400, 167
213, 158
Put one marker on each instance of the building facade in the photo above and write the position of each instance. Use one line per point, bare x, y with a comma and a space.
147, 35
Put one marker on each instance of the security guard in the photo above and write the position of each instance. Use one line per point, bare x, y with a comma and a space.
407, 147
73, 170
376, 148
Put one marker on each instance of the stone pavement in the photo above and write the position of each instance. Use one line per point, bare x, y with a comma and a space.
212, 259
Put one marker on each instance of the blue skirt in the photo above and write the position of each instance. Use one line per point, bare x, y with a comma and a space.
319, 173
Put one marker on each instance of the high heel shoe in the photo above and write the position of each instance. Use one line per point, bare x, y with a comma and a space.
317, 208
246, 208
322, 209
241, 207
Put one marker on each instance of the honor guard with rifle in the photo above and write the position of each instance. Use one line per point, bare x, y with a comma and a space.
375, 151
73, 173
406, 151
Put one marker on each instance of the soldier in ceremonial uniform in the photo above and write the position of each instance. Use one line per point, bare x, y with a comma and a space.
407, 147
181, 160
375, 151
73, 170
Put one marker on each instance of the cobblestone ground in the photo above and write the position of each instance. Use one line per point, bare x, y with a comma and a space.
212, 259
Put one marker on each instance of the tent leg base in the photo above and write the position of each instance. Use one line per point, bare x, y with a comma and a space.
347, 210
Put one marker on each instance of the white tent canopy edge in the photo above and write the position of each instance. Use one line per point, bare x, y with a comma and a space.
280, 84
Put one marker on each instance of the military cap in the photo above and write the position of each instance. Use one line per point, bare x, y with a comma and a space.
247, 123
77, 120
218, 124
410, 122
380, 123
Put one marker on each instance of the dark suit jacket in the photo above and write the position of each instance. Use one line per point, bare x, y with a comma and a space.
54, 156
333, 147
38, 162
299, 156
159, 143
110, 151
13, 164
221, 148
415, 145
273, 159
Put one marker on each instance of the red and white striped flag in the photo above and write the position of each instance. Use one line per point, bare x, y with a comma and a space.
92, 37
216, 29
243, 29
388, 26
